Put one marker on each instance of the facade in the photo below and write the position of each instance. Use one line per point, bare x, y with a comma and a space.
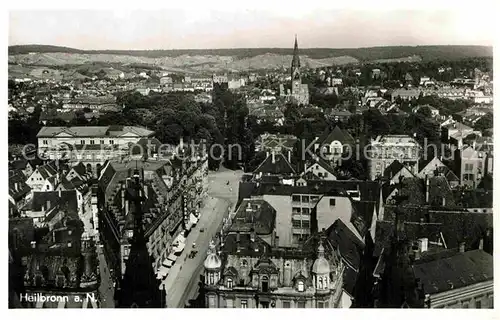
89, 145
254, 274
473, 163
385, 149
173, 190
59, 267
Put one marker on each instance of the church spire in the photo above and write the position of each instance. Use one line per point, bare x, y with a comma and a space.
295, 59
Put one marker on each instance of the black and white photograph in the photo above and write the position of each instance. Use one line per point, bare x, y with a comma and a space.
266, 155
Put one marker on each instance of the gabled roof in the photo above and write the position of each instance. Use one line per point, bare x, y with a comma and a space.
336, 134
279, 166
348, 244
18, 179
325, 165
67, 200
394, 168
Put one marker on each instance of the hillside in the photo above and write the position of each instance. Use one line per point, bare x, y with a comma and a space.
212, 60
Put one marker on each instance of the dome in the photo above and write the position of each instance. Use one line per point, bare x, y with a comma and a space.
321, 265
212, 261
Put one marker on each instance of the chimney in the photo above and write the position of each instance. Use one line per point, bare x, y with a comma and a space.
267, 154
289, 156
146, 191
461, 247
273, 157
16, 186
33, 244
444, 202
126, 206
48, 205
426, 189
69, 244
423, 244
60, 193
481, 243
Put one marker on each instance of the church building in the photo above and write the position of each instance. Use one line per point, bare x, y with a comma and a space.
299, 92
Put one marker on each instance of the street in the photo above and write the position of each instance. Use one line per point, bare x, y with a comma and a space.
182, 282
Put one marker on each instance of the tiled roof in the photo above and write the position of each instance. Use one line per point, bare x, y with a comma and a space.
348, 244
66, 199
458, 271
279, 166
336, 134
256, 214
245, 246
18, 179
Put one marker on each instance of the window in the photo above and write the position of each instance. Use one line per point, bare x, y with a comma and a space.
469, 167
332, 202
111, 142
321, 304
305, 199
211, 279
320, 174
102, 141
301, 304
305, 211
296, 210
296, 224
296, 198
478, 304
300, 287
92, 142
265, 284
229, 303
305, 224
286, 304
326, 174
82, 141
244, 263
45, 142
320, 283
244, 304
229, 283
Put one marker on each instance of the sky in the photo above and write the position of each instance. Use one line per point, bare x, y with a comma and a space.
203, 27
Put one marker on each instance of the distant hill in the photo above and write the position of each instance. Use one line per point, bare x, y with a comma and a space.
361, 54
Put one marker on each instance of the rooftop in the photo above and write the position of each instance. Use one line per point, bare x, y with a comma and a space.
460, 270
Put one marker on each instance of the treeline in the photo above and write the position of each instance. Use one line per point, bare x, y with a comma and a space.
362, 54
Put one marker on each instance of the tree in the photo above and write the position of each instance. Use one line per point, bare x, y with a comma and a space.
485, 122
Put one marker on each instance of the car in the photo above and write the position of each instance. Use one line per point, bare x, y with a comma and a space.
202, 230
194, 244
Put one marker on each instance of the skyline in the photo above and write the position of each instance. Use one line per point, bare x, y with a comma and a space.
180, 28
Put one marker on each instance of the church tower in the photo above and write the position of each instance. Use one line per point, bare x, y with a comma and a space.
139, 287
296, 62
299, 92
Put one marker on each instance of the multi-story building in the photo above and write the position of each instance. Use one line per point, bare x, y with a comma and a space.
173, 190
473, 163
56, 265
462, 280
256, 274
385, 149
90, 145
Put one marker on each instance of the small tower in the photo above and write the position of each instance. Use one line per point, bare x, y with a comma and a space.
321, 271
212, 266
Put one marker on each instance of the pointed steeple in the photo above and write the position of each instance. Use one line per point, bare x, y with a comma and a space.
295, 61
139, 286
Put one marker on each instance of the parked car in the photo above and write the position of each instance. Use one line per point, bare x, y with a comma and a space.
202, 230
